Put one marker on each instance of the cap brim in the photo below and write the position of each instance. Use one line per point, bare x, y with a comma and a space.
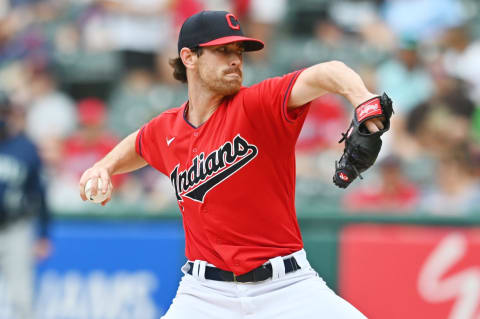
250, 43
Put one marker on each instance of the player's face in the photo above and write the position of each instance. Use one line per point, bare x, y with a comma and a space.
220, 68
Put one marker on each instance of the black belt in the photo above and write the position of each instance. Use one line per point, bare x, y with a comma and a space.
258, 274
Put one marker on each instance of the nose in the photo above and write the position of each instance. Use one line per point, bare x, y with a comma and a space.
235, 60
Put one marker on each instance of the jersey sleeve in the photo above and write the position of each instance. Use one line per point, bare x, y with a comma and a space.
147, 146
35, 202
266, 105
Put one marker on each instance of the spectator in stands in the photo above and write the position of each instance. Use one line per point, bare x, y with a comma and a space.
137, 98
264, 18
91, 141
393, 194
424, 19
372, 37
409, 83
182, 9
405, 78
327, 116
338, 30
317, 147
82, 149
18, 38
456, 191
436, 128
139, 29
432, 123
328, 41
461, 58
51, 115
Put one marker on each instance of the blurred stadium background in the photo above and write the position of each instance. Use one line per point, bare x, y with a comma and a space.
402, 243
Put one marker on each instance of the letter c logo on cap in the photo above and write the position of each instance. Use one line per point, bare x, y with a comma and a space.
232, 21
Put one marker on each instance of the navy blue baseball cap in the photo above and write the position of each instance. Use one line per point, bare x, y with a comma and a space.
208, 28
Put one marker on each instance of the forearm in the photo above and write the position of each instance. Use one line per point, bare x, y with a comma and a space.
122, 158
329, 77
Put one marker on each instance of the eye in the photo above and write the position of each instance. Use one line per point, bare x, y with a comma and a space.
222, 49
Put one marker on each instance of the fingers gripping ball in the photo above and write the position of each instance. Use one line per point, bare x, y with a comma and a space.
100, 196
362, 146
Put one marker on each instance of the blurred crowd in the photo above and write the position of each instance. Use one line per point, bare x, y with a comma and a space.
83, 74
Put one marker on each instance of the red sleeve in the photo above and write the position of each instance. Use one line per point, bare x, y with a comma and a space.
266, 104
147, 146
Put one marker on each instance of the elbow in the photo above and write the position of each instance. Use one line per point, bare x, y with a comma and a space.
330, 70
336, 77
336, 66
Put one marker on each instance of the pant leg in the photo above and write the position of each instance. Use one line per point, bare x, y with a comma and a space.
303, 296
17, 267
204, 300
5, 311
300, 294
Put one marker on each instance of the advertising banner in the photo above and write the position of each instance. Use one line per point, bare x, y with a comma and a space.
111, 270
411, 271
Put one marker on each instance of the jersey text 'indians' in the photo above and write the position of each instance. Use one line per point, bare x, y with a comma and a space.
227, 159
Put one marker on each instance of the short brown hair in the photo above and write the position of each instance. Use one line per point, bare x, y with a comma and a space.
179, 70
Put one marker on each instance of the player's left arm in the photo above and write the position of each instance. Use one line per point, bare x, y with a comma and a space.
331, 77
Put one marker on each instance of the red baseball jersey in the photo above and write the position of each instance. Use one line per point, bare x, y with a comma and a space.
234, 175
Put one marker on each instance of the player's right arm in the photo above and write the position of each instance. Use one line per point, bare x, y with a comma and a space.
123, 158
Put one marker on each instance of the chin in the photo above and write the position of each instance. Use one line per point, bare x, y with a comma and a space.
229, 87
231, 90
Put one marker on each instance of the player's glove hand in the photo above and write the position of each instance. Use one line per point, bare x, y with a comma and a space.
362, 146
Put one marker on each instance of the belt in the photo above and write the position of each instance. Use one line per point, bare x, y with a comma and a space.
261, 273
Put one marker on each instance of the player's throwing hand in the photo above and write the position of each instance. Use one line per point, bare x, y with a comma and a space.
96, 173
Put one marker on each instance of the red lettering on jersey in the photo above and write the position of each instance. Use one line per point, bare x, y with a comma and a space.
232, 21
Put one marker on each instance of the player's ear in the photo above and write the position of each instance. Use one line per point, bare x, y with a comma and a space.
188, 57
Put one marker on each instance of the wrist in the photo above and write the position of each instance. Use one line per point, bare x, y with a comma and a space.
359, 99
106, 166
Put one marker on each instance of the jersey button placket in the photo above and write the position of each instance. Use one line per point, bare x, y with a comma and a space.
195, 135
192, 148
194, 142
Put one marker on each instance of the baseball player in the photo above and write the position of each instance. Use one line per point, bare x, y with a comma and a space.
22, 198
229, 152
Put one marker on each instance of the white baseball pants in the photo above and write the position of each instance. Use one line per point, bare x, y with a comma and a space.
299, 294
17, 268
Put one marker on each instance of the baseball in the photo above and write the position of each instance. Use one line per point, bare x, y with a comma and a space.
100, 197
